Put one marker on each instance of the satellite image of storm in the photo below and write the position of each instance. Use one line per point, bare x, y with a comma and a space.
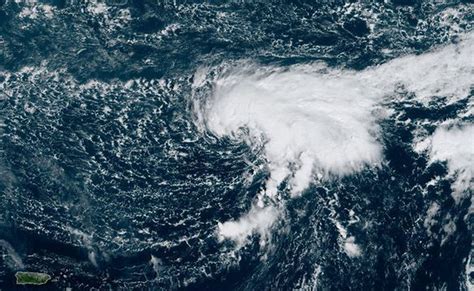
237, 145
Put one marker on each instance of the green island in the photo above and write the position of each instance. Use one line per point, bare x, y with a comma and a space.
31, 278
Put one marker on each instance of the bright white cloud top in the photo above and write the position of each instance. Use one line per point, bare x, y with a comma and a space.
456, 147
315, 121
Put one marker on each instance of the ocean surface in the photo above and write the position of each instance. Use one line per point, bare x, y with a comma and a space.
237, 145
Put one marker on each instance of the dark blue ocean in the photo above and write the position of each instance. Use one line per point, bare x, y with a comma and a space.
237, 145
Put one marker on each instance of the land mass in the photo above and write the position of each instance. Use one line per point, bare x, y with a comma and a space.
31, 278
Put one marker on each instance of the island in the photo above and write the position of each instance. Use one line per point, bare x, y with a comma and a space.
31, 278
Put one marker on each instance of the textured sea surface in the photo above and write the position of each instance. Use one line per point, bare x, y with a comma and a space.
237, 145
